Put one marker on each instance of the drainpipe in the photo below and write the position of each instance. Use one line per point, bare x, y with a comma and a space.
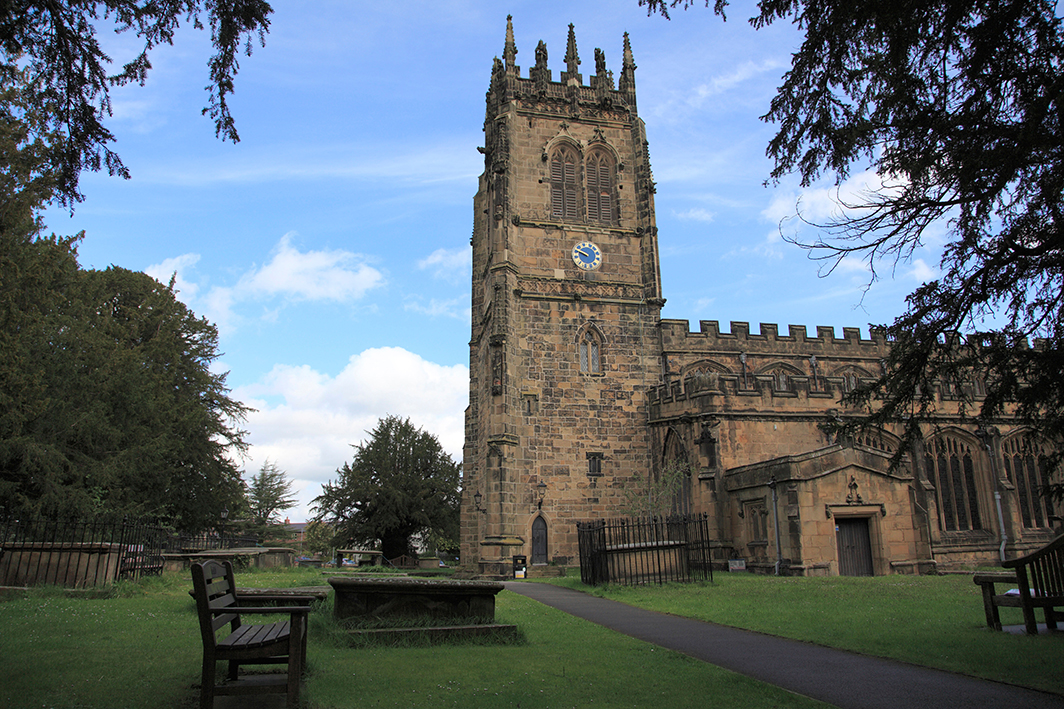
986, 436
776, 523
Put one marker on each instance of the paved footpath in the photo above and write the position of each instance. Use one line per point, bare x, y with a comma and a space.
841, 678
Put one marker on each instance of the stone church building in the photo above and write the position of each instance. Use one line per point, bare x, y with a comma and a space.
580, 394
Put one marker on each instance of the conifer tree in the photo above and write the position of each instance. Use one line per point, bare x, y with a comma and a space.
400, 484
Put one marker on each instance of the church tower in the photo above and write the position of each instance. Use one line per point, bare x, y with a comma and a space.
566, 302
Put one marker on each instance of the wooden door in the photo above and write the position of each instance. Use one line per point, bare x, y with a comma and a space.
855, 546
539, 541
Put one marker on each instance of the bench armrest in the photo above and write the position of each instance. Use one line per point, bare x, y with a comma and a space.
994, 577
273, 598
260, 610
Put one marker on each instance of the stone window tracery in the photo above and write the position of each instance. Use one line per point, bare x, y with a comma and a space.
1025, 469
756, 515
952, 471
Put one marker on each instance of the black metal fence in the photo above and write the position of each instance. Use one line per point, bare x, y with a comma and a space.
207, 541
78, 553
647, 550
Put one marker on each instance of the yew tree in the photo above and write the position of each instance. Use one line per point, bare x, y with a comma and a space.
956, 106
54, 50
401, 483
107, 398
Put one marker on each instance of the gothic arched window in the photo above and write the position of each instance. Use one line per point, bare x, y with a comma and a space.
851, 378
952, 472
564, 184
782, 378
590, 345
599, 188
675, 478
1025, 469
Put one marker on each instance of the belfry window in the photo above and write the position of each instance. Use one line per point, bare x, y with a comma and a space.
564, 184
599, 188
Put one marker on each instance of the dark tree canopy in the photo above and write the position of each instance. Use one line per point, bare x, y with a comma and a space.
51, 50
957, 107
107, 400
400, 483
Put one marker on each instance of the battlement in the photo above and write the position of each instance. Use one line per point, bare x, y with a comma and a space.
677, 336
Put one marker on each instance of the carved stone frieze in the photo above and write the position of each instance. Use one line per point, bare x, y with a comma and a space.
550, 288
564, 107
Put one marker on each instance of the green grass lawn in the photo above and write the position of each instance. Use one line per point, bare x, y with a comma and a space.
140, 647
935, 621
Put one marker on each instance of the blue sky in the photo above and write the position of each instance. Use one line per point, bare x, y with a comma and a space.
331, 245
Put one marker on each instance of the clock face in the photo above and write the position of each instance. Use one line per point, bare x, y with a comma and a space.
587, 256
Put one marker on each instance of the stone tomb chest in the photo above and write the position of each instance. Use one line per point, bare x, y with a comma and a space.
415, 598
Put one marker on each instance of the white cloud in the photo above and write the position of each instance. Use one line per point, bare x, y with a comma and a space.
306, 420
336, 275
820, 205
744, 84
921, 272
448, 264
451, 308
739, 75
406, 164
768, 247
178, 266
701, 305
292, 275
696, 214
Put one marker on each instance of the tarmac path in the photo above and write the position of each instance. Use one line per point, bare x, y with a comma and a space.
837, 677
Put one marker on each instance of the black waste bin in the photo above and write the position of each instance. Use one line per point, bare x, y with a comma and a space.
520, 562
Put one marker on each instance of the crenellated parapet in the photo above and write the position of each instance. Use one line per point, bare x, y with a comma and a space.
677, 335
710, 371
778, 366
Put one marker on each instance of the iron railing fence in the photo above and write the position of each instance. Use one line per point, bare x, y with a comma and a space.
645, 550
207, 541
78, 553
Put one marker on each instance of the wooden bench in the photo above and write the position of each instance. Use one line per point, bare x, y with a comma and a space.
1039, 583
283, 642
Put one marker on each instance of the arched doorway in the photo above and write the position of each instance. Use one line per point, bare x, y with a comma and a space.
539, 540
